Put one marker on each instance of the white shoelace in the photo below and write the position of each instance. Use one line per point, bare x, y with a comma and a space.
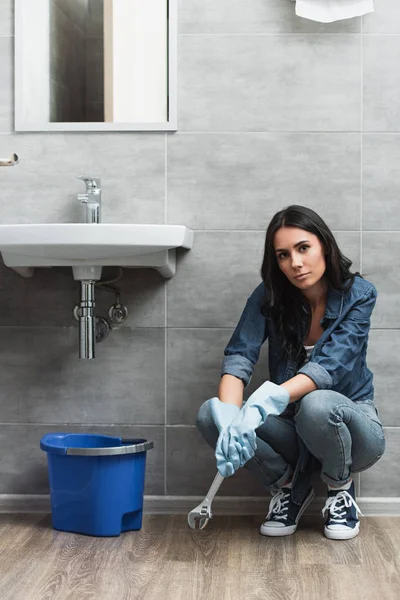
337, 506
278, 505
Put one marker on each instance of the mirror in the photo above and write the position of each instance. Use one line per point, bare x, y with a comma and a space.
95, 65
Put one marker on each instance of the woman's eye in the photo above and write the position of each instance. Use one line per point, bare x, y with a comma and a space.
283, 254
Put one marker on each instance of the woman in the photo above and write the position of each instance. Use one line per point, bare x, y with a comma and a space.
319, 402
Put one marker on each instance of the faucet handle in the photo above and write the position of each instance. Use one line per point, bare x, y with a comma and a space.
93, 184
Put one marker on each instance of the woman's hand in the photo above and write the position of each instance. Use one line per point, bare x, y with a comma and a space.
240, 437
223, 413
239, 440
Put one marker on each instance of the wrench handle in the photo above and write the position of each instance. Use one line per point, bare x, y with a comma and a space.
218, 479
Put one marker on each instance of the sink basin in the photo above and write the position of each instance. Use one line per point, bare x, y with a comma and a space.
88, 247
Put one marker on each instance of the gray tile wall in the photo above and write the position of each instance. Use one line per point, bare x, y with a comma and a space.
273, 110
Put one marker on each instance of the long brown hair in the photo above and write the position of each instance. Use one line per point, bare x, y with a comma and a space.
285, 303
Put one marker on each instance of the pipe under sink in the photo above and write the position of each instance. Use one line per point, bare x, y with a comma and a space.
87, 320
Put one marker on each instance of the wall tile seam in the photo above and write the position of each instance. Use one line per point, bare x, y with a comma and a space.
210, 132
169, 328
388, 427
356, 34
361, 145
279, 131
165, 321
136, 424
309, 34
305, 34
160, 426
291, 34
377, 132
287, 132
381, 34
183, 425
165, 178
233, 326
76, 328
263, 230
273, 132
225, 34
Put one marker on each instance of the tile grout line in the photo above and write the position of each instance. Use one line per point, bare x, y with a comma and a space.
361, 146
70, 424
165, 400
263, 230
124, 424
200, 231
172, 327
165, 178
288, 34
268, 34
277, 34
238, 132
165, 313
280, 132
358, 482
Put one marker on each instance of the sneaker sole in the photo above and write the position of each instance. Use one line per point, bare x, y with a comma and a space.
342, 535
281, 531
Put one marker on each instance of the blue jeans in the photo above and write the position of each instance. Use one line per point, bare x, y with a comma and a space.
344, 436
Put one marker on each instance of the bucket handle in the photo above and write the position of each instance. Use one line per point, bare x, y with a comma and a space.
113, 450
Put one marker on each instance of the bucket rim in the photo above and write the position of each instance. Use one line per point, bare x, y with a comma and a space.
113, 450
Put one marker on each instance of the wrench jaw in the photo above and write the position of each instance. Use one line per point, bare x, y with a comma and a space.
202, 523
199, 517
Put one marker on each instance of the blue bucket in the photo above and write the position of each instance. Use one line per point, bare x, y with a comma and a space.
96, 482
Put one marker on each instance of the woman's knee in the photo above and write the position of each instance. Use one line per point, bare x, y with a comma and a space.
316, 406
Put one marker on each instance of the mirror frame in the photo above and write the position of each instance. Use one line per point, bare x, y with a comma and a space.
22, 66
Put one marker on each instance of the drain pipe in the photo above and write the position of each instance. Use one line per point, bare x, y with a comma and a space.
87, 320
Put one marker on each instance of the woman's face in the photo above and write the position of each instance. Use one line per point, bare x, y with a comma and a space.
299, 252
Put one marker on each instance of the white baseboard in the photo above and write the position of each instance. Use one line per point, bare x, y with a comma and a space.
223, 505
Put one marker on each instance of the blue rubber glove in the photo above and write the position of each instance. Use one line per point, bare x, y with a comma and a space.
223, 414
240, 436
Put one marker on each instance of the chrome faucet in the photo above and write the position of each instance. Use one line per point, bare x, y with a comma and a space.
91, 199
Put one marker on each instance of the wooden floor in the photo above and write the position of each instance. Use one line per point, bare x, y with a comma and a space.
228, 560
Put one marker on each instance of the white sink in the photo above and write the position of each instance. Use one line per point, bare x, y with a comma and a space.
87, 248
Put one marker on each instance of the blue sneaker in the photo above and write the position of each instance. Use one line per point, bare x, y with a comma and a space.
283, 514
342, 522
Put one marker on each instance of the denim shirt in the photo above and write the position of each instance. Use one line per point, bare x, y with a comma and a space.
338, 360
